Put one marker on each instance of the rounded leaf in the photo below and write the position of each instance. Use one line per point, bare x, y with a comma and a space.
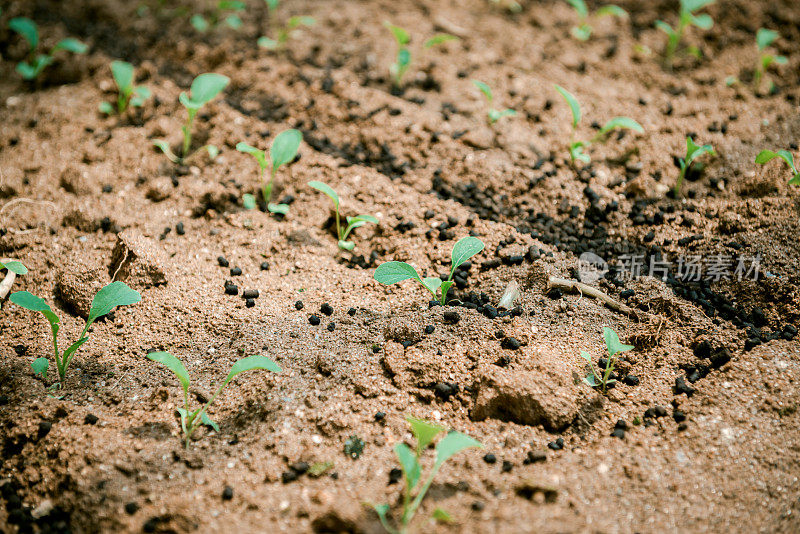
29, 301
393, 272
206, 86
122, 71
613, 344
252, 363
439, 39
109, 297
328, 190
39, 366
424, 432
284, 148
173, 364
452, 444
27, 29
400, 35
15, 267
484, 88
465, 249
622, 122
574, 107
70, 45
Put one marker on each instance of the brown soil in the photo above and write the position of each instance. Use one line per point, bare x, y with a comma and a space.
725, 458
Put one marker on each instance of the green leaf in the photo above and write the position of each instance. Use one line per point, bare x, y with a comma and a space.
591, 380
409, 463
695, 5
795, 179
252, 363
400, 35
26, 300
664, 27
213, 151
446, 285
284, 148
464, 250
403, 59
272, 4
260, 155
140, 94
576, 152
122, 71
281, 209
15, 267
345, 245
582, 32
113, 295
612, 10
452, 444
199, 23
207, 86
432, 283
439, 39
768, 155
613, 343
318, 469
66, 358
586, 356
495, 115
580, 8
266, 42
173, 364
70, 45
328, 190
574, 107
249, 201
29, 71
485, 89
106, 108
704, 22
40, 366
424, 432
364, 218
765, 37
694, 151
442, 516
233, 21
27, 29
382, 510
165, 148
296, 21
206, 420
621, 122
393, 272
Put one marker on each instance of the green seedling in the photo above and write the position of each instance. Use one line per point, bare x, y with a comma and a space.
686, 18
218, 16
415, 488
123, 74
493, 115
693, 152
192, 419
768, 155
283, 150
36, 63
402, 62
204, 89
393, 272
576, 148
283, 34
14, 266
352, 222
511, 5
583, 30
764, 38
109, 297
614, 346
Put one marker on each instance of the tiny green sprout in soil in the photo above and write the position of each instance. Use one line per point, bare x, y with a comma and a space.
764, 39
582, 29
576, 148
415, 487
282, 151
14, 266
354, 446
687, 17
109, 297
285, 32
693, 152
129, 95
402, 61
204, 89
36, 62
602, 378
352, 222
393, 272
192, 419
766, 156
224, 12
492, 115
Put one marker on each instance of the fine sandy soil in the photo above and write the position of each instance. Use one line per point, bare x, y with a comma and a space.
705, 422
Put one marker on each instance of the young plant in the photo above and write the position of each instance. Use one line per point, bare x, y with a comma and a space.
218, 16
14, 266
614, 347
192, 419
686, 18
352, 222
765, 38
583, 30
402, 62
122, 71
204, 89
576, 147
493, 115
693, 152
109, 297
36, 63
393, 272
768, 155
283, 34
283, 150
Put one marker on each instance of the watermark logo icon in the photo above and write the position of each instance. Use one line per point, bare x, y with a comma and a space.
591, 267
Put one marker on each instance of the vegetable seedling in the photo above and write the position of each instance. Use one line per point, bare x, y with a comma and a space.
686, 18
36, 63
764, 38
283, 34
204, 89
613, 346
402, 61
493, 115
14, 266
192, 419
693, 152
393, 272
768, 155
283, 150
109, 297
583, 30
576, 148
123, 74
352, 222
415, 489
218, 16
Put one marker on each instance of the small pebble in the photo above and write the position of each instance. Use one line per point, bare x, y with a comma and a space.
250, 294
222, 261
298, 305
429, 329
351, 312
489, 458
507, 466
236, 271
227, 493
326, 308
451, 317
556, 445
249, 303
131, 508
231, 289
331, 327
380, 416
314, 320
90, 419
265, 266
179, 229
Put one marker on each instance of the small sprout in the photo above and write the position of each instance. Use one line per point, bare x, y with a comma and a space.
15, 267
36, 63
614, 347
109, 297
192, 419
576, 147
511, 5
122, 71
218, 16
765, 38
768, 155
393, 272
283, 150
415, 488
283, 34
402, 62
493, 115
354, 446
583, 30
204, 89
352, 222
686, 18
693, 152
